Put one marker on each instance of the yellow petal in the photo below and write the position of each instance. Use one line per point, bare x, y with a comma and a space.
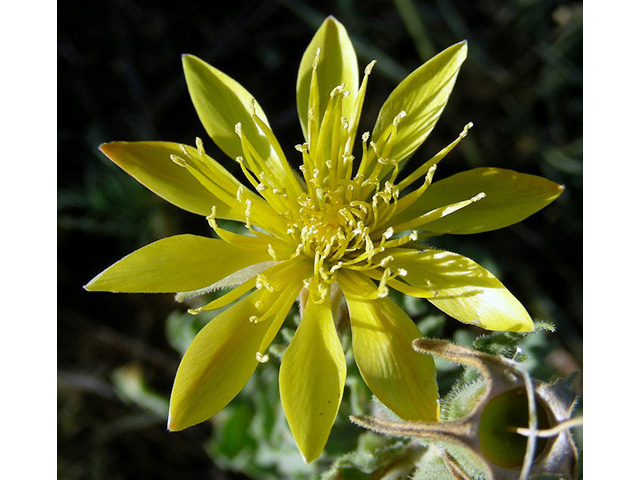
403, 379
461, 288
422, 96
312, 377
337, 65
222, 103
222, 358
510, 198
150, 163
176, 264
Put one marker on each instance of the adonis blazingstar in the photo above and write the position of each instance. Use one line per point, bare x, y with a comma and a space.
337, 230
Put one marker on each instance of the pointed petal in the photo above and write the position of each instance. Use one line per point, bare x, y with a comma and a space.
403, 379
312, 379
222, 358
221, 103
337, 65
175, 264
461, 288
422, 95
150, 163
510, 198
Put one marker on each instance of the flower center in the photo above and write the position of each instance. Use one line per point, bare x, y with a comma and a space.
337, 229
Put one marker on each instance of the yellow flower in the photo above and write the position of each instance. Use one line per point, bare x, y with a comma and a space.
339, 230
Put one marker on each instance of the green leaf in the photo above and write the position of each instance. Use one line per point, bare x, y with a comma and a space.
510, 198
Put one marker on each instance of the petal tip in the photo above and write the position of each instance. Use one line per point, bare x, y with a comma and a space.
107, 147
331, 19
91, 284
171, 427
113, 151
464, 46
189, 60
175, 423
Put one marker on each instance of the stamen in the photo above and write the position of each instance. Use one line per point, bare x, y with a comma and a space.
179, 160
262, 358
368, 69
263, 282
440, 212
200, 146
419, 172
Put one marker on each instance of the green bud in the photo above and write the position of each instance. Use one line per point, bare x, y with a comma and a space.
502, 426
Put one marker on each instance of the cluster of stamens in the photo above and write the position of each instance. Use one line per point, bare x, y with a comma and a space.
335, 215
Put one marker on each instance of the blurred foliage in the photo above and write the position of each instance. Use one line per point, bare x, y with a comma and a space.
120, 78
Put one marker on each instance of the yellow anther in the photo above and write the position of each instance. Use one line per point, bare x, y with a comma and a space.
240, 194
369, 68
337, 90
263, 282
178, 160
385, 261
398, 118
336, 267
211, 218
316, 59
262, 358
200, 146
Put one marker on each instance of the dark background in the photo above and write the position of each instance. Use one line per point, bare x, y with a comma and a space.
120, 78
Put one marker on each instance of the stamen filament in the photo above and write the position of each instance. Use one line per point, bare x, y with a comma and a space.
438, 213
419, 172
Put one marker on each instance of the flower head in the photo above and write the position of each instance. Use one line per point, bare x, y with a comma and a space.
337, 229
